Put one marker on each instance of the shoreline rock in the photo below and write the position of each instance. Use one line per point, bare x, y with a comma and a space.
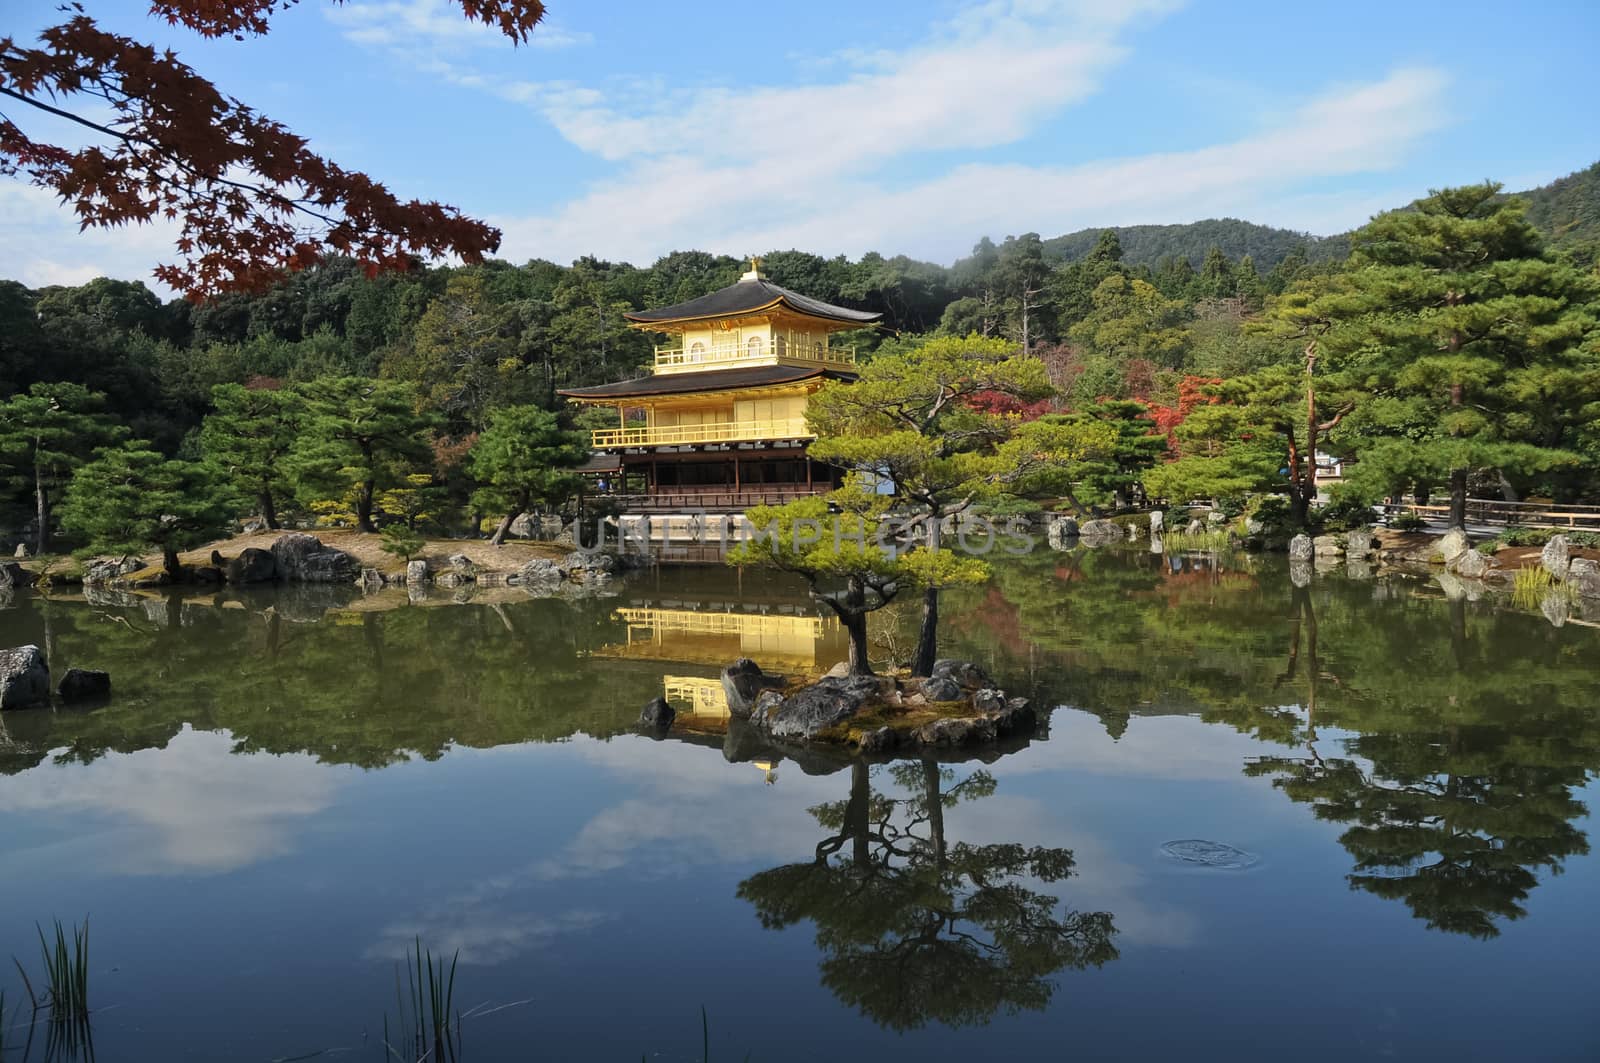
657, 716
84, 684
743, 683
24, 678
1099, 532
301, 558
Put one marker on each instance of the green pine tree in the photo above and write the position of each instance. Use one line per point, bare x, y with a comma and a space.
917, 419
522, 459
46, 434
1463, 315
250, 436
130, 499
1216, 275
358, 437
1109, 476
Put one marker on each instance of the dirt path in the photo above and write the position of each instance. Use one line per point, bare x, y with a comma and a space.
366, 548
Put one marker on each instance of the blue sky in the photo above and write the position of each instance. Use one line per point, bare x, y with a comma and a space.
629, 129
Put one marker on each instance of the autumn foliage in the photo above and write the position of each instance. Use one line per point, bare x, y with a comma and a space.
251, 198
1004, 405
1192, 391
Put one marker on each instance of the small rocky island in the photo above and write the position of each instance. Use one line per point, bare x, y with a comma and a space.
957, 706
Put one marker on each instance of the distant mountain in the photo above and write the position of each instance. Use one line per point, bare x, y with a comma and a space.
1567, 211
1144, 245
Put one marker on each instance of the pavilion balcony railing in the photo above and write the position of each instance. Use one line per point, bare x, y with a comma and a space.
712, 499
673, 359
705, 696
717, 432
702, 623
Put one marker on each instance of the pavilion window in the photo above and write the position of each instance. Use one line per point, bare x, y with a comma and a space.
755, 346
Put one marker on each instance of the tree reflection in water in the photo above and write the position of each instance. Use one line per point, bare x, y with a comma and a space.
1450, 736
1452, 820
914, 928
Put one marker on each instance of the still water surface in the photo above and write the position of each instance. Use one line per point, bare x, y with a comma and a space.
1342, 822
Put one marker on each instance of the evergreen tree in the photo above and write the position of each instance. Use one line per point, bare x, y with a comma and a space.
1175, 277
1019, 277
463, 354
1287, 271
358, 436
1107, 249
1256, 437
1216, 275
130, 499
970, 316
1248, 285
22, 341
1108, 477
523, 459
1462, 314
250, 437
1224, 455
1071, 287
45, 435
593, 342
1132, 319
836, 544
916, 419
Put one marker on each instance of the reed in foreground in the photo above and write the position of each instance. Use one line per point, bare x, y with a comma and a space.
63, 996
429, 1028
67, 971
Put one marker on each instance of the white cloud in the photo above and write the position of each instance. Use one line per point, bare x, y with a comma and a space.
982, 81
419, 26
41, 242
481, 932
194, 807
897, 150
826, 205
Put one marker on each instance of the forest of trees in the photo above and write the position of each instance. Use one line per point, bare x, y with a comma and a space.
1506, 396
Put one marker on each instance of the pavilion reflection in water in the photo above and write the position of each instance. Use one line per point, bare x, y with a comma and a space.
709, 636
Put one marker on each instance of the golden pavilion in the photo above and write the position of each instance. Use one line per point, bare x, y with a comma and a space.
719, 425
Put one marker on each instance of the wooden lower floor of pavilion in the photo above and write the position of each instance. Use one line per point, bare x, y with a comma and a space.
725, 479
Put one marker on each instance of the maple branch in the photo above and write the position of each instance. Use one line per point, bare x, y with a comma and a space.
130, 139
178, 140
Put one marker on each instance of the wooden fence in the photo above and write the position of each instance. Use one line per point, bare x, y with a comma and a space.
1570, 516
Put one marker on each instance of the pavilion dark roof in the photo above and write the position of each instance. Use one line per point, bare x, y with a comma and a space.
755, 376
748, 296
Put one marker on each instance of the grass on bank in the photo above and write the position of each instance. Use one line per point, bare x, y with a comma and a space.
1532, 585
1217, 538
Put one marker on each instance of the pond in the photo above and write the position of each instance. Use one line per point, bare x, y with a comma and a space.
1341, 821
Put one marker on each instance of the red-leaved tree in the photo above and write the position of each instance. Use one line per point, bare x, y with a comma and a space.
250, 197
1192, 391
1004, 405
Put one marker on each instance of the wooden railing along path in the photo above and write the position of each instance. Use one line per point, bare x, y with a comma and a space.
1571, 516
